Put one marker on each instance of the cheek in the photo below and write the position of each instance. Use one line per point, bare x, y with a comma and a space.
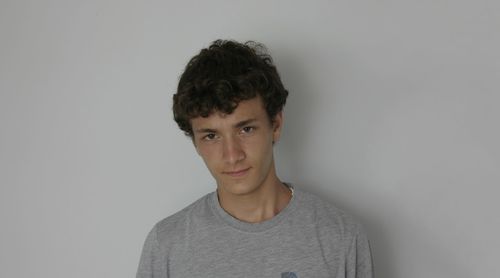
259, 149
207, 153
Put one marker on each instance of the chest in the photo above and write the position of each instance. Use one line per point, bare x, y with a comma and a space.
231, 254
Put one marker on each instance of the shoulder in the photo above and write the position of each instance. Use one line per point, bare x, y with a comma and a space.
326, 216
337, 231
175, 226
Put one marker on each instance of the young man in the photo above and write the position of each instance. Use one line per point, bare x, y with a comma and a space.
229, 101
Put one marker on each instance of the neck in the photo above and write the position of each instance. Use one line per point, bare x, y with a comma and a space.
258, 206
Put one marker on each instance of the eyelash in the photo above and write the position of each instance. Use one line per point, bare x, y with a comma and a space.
244, 130
207, 137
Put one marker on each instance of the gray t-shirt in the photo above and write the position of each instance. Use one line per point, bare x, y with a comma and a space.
308, 238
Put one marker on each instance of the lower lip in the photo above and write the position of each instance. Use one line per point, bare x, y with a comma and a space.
237, 174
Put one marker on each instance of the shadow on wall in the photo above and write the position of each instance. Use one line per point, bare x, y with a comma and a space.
398, 239
393, 236
293, 147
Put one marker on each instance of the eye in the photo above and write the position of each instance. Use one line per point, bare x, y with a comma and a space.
247, 129
209, 137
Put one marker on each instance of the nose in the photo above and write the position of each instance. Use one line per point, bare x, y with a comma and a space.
232, 152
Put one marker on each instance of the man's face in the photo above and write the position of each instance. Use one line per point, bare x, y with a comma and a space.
238, 147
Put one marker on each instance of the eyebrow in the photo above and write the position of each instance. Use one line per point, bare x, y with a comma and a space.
244, 123
237, 125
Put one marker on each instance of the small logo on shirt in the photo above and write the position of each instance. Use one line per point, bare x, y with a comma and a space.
289, 275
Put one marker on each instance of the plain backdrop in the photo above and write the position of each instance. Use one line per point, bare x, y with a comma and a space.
392, 115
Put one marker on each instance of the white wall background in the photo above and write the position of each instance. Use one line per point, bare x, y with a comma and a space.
393, 115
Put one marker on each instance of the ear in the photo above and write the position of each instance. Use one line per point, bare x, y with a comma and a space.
277, 126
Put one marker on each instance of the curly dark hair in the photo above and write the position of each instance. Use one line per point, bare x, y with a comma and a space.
221, 76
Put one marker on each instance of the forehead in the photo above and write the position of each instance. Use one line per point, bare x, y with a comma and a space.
246, 109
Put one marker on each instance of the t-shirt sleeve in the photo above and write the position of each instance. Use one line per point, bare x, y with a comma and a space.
359, 262
150, 264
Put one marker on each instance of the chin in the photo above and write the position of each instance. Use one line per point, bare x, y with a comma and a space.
238, 188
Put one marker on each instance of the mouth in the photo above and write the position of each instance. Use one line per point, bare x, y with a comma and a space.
238, 173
